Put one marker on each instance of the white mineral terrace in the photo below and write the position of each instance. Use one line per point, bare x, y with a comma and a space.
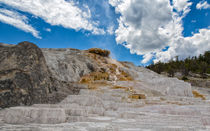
109, 109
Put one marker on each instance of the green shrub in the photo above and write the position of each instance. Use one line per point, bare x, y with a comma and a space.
184, 78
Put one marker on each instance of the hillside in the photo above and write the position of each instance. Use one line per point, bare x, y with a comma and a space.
199, 65
195, 70
76, 90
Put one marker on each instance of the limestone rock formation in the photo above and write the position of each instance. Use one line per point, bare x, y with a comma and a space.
165, 85
68, 64
91, 92
110, 108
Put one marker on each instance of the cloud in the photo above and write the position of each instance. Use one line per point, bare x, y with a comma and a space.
143, 28
147, 28
147, 57
47, 29
187, 46
110, 30
58, 12
102, 13
203, 5
182, 6
17, 20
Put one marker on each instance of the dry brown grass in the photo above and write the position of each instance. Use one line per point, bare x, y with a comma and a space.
119, 87
137, 96
112, 68
97, 85
198, 95
124, 76
100, 76
94, 76
92, 87
175, 103
98, 51
125, 88
86, 79
97, 58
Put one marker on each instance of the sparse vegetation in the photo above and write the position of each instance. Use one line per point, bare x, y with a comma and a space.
137, 96
124, 76
94, 76
125, 88
98, 51
86, 79
184, 78
99, 59
96, 84
107, 70
133, 93
92, 87
112, 68
198, 95
119, 87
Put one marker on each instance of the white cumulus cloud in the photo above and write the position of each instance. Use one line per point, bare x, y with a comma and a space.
17, 20
203, 5
142, 26
58, 12
147, 27
187, 46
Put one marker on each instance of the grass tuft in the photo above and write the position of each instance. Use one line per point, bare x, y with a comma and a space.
98, 51
124, 76
137, 96
94, 76
130, 89
112, 68
198, 95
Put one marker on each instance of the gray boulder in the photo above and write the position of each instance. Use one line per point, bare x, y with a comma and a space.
24, 75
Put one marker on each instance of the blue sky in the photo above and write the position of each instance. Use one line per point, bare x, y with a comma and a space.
131, 30
196, 19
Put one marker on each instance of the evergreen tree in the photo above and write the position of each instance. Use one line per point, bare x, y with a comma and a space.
200, 64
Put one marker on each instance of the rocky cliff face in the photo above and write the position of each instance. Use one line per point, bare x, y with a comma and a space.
24, 76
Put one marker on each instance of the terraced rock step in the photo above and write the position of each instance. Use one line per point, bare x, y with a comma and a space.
108, 109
